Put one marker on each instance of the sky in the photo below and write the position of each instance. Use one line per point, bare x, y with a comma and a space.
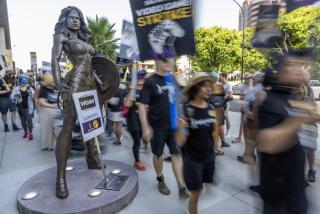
32, 22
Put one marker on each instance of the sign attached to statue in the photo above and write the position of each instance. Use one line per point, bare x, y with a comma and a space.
89, 114
164, 28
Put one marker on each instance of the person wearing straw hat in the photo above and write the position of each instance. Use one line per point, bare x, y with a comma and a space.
49, 112
6, 85
197, 135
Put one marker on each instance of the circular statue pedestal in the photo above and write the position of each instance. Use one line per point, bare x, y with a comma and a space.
80, 182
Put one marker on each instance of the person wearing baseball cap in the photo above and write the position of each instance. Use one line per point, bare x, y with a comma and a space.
249, 128
24, 96
159, 123
246, 86
197, 135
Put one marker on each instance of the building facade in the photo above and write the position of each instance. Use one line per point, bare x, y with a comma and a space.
251, 11
5, 41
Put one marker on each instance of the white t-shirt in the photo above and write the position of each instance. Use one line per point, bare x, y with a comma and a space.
227, 87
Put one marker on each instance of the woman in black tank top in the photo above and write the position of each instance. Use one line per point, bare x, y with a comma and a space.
197, 134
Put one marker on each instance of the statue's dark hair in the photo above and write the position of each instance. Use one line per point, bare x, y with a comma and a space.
61, 26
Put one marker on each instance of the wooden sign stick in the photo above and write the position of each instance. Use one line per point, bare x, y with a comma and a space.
100, 157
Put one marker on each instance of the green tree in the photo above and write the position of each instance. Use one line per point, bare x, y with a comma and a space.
302, 30
217, 49
220, 49
103, 36
299, 27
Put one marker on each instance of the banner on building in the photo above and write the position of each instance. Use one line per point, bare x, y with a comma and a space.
8, 59
294, 4
129, 46
2, 66
45, 66
89, 114
33, 61
163, 28
267, 34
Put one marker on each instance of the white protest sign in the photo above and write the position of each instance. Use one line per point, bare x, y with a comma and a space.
2, 66
89, 114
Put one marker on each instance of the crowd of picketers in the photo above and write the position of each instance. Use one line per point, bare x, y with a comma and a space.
23, 95
278, 123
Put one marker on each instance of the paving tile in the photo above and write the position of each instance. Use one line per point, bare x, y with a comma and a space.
228, 195
232, 176
251, 198
231, 206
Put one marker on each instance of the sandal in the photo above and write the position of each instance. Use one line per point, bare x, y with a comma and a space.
236, 140
242, 160
219, 153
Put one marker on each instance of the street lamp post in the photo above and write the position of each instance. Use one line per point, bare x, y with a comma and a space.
242, 45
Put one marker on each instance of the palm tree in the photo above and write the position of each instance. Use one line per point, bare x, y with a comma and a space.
103, 36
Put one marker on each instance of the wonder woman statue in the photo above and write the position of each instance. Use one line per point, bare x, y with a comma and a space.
72, 37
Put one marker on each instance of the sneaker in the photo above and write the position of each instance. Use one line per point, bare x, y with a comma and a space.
167, 159
163, 189
117, 143
311, 175
224, 144
6, 128
15, 127
183, 194
26, 134
30, 136
139, 166
255, 188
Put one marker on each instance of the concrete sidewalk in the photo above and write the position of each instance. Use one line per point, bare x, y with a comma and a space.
21, 159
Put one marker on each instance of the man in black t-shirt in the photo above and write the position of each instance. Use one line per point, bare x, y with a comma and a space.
157, 124
6, 85
282, 157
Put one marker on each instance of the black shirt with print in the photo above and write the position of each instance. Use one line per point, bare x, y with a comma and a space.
281, 175
3, 88
155, 94
199, 144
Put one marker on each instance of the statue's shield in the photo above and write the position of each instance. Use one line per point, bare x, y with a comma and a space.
109, 76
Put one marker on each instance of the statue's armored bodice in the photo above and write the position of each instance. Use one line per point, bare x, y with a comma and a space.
80, 54
79, 50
